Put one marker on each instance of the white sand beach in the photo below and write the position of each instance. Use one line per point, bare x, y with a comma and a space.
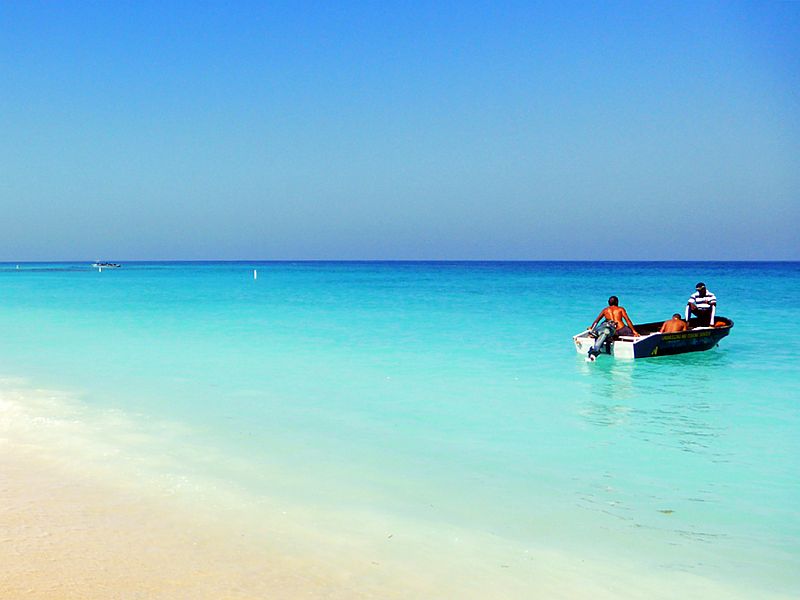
71, 537
72, 532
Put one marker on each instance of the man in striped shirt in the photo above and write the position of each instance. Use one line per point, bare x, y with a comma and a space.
702, 304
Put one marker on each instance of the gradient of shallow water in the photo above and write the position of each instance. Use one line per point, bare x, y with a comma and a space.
448, 394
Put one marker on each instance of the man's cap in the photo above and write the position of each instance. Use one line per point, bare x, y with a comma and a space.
700, 285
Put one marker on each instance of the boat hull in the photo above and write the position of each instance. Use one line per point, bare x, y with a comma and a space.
652, 344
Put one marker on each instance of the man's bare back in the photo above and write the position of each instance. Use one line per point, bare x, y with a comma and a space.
618, 315
674, 325
617, 322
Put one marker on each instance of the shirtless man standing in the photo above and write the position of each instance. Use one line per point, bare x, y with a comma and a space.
616, 322
674, 325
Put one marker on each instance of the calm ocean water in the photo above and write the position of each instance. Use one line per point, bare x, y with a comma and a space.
447, 395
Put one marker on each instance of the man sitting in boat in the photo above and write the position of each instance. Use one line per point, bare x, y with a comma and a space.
617, 322
702, 304
674, 325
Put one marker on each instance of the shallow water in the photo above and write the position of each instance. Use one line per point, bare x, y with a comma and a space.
447, 395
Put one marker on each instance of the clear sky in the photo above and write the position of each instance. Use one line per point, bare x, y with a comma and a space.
379, 130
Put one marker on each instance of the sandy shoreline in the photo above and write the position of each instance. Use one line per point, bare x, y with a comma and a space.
65, 536
69, 537
78, 521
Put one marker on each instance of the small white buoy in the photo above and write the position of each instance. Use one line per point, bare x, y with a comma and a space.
255, 274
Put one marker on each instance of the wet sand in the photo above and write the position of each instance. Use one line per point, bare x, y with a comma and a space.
78, 524
64, 536
81, 518
69, 537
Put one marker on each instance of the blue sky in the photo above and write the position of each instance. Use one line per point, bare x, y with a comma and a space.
407, 130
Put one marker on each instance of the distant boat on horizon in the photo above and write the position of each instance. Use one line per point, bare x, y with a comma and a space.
106, 265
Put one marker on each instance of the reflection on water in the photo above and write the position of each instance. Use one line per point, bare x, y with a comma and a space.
656, 435
664, 401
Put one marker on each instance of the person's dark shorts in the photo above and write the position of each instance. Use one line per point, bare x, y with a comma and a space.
624, 331
703, 317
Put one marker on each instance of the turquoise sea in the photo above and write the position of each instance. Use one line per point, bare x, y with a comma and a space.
430, 405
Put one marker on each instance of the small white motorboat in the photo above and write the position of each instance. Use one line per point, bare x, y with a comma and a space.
653, 343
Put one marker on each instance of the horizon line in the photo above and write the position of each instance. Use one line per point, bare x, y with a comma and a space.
404, 260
